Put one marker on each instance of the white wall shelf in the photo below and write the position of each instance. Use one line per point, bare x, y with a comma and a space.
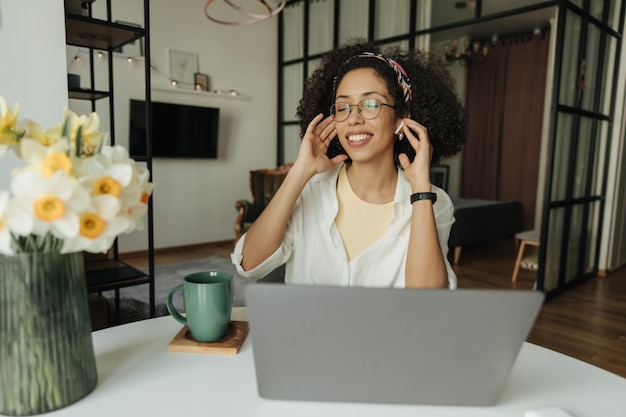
200, 93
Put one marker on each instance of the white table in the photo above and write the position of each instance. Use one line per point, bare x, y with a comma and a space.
138, 376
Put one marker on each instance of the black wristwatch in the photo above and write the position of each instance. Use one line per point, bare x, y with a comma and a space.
423, 196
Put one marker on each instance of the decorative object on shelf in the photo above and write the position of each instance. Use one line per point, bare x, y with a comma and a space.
250, 17
73, 81
473, 52
79, 7
183, 67
132, 49
75, 193
201, 82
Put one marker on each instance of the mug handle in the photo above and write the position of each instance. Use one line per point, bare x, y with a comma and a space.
170, 307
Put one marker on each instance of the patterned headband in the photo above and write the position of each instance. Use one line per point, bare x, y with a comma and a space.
401, 76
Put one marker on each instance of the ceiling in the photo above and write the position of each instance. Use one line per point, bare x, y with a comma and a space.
445, 12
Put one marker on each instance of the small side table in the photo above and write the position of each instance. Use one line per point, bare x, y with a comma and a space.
530, 238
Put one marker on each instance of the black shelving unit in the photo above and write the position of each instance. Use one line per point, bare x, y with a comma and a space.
109, 272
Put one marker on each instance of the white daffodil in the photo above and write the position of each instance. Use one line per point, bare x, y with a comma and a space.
103, 176
53, 201
135, 201
116, 154
98, 226
14, 221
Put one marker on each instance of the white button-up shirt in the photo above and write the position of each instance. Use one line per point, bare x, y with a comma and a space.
314, 252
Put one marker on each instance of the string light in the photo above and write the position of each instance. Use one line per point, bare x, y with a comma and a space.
174, 83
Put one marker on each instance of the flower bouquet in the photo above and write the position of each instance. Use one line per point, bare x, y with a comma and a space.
74, 193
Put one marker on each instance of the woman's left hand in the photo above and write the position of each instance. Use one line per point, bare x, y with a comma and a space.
417, 173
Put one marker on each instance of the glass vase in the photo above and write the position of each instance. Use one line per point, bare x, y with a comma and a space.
46, 352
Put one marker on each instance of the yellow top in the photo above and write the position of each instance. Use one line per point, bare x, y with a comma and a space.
360, 223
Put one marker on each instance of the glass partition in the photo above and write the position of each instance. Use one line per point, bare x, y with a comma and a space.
560, 168
390, 20
444, 12
615, 11
553, 250
353, 19
590, 68
593, 230
584, 158
607, 76
293, 37
321, 18
570, 86
598, 177
596, 8
292, 90
291, 135
574, 241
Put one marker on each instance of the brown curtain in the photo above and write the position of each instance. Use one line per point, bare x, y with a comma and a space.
505, 101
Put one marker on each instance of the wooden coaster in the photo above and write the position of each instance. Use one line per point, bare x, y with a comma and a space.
228, 345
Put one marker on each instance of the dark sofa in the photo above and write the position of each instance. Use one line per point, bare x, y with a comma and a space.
478, 221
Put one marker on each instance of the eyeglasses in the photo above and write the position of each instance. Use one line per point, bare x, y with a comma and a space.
368, 109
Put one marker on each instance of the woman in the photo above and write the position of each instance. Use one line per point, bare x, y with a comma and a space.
357, 208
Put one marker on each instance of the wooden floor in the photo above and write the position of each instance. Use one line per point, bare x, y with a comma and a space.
587, 322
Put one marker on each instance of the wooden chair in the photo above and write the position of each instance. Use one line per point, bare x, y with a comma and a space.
263, 185
527, 238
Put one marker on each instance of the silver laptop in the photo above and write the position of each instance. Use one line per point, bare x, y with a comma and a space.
407, 346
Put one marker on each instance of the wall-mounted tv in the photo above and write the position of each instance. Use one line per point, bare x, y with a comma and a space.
178, 130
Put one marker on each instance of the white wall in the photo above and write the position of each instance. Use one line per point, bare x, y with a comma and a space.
32, 72
194, 199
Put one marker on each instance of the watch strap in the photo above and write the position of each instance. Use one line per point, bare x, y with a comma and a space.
423, 196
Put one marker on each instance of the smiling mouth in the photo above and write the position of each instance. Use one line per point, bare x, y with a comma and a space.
358, 138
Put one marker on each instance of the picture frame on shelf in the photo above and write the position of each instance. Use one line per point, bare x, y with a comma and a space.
201, 82
132, 49
183, 67
439, 176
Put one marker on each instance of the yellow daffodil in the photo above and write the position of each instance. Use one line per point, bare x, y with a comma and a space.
47, 159
8, 121
107, 185
90, 137
91, 225
46, 137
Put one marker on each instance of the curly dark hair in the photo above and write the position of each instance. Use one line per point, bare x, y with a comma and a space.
435, 103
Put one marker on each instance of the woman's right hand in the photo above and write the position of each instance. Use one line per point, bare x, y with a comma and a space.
312, 153
268, 231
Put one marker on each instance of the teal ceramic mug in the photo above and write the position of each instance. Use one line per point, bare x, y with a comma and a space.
208, 301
